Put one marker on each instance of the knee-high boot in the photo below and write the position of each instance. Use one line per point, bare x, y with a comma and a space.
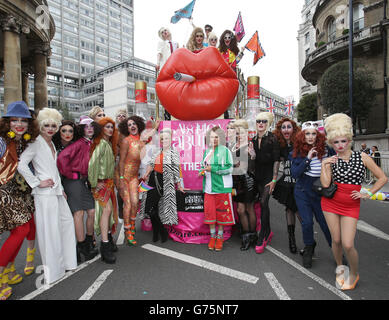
292, 239
156, 225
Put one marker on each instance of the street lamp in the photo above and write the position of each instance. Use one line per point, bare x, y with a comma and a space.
350, 52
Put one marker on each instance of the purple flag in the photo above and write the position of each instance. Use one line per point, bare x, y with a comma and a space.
239, 28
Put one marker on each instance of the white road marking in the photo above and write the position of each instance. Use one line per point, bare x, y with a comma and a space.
278, 289
311, 275
365, 227
203, 264
68, 274
120, 239
96, 285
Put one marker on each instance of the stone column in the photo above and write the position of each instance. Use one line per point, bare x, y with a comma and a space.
25, 75
41, 52
12, 60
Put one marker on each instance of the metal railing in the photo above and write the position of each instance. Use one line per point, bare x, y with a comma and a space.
383, 162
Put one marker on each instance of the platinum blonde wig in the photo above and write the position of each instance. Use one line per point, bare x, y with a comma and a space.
266, 116
241, 124
338, 125
94, 112
47, 116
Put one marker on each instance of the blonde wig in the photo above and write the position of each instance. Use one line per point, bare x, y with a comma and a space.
266, 116
94, 112
212, 35
338, 125
241, 124
49, 115
191, 45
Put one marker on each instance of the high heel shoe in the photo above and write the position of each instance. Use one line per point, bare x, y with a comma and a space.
347, 286
261, 248
339, 275
30, 258
17, 278
129, 237
7, 291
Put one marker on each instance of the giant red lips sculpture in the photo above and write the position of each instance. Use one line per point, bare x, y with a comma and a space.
206, 98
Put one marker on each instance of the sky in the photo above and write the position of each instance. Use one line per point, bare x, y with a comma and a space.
277, 23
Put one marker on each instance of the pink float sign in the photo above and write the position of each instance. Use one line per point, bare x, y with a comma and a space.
188, 138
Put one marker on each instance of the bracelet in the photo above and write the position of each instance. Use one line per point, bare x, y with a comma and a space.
274, 180
369, 193
121, 177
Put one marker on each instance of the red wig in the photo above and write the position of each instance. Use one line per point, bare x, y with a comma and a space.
99, 136
301, 147
277, 132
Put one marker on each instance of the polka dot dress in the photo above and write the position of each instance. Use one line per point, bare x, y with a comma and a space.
348, 176
351, 172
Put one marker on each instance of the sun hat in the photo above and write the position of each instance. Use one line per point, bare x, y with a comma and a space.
18, 109
85, 120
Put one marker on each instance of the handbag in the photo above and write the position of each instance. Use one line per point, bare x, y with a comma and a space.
324, 192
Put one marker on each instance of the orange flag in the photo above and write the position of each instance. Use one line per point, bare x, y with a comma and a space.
255, 46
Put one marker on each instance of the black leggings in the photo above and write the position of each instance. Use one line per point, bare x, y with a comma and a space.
265, 211
154, 195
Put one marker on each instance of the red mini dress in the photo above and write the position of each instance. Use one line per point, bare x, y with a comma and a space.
348, 176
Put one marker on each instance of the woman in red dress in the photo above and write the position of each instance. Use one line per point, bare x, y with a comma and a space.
346, 169
228, 48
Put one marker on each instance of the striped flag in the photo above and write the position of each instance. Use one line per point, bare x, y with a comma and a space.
239, 28
255, 46
144, 187
185, 12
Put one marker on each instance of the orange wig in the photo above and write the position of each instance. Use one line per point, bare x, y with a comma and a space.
277, 132
100, 134
301, 147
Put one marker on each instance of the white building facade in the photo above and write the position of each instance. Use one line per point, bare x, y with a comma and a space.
306, 43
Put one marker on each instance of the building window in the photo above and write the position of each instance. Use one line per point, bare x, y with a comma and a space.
358, 17
306, 38
331, 29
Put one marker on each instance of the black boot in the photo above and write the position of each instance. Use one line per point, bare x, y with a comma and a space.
245, 241
114, 247
84, 250
106, 253
292, 239
253, 238
92, 248
308, 254
155, 225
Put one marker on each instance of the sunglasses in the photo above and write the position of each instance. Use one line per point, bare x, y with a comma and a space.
207, 29
261, 121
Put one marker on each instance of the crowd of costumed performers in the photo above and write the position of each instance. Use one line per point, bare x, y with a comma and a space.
68, 184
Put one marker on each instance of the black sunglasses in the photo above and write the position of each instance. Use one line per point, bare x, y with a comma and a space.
261, 121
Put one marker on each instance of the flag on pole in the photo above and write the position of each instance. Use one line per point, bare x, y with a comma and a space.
289, 106
239, 28
185, 12
270, 106
255, 46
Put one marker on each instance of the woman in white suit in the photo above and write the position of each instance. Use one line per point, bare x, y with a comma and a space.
54, 221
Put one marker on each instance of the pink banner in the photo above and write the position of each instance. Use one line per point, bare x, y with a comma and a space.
188, 138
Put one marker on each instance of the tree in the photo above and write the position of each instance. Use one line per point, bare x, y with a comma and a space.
307, 108
334, 90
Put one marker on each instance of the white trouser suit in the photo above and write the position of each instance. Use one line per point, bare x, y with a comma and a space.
53, 218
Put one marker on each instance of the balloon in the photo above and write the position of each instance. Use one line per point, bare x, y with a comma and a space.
208, 96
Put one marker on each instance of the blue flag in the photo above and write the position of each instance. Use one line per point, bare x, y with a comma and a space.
183, 13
